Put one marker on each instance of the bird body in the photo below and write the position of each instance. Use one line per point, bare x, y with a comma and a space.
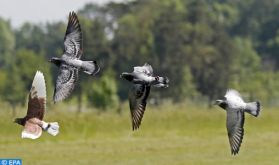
144, 75
75, 62
142, 79
33, 121
234, 100
235, 108
70, 63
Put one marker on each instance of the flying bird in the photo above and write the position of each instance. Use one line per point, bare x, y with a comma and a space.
33, 121
235, 107
142, 79
69, 64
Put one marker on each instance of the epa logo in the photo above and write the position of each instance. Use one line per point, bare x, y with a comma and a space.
10, 162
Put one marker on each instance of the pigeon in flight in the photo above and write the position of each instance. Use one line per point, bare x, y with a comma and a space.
33, 122
142, 79
235, 107
70, 64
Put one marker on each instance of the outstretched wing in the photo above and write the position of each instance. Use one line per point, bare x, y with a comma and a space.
137, 98
146, 68
37, 98
233, 95
235, 123
65, 82
73, 37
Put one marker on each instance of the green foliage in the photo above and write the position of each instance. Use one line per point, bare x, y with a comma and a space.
203, 47
14, 91
17, 82
103, 93
7, 40
28, 63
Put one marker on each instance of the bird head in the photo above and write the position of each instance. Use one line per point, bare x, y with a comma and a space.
19, 121
221, 103
55, 60
126, 76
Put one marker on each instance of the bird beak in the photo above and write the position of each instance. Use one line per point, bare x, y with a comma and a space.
217, 102
16, 120
49, 60
121, 76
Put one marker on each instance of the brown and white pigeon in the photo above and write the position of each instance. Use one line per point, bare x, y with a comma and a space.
33, 121
235, 107
69, 64
142, 79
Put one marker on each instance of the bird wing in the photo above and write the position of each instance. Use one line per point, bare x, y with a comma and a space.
31, 130
37, 97
65, 82
235, 123
146, 68
137, 98
233, 95
73, 37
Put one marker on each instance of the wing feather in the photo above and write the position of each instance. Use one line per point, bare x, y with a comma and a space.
137, 99
37, 98
233, 95
65, 82
73, 37
146, 69
235, 123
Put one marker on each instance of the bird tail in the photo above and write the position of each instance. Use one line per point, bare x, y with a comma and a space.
163, 82
90, 67
253, 108
51, 128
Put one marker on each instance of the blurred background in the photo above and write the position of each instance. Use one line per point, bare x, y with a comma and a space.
203, 46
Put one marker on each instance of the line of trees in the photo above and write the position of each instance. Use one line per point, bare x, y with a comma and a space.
203, 46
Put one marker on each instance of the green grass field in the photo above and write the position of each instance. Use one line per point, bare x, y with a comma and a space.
172, 135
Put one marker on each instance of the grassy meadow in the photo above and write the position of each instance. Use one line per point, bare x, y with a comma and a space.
174, 135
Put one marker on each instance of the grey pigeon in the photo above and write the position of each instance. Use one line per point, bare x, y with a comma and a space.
142, 79
33, 121
235, 107
70, 64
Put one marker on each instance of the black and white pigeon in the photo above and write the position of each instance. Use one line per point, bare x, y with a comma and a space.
70, 64
235, 107
33, 121
142, 79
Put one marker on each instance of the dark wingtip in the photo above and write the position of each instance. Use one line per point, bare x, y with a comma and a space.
97, 70
72, 13
258, 108
234, 152
135, 128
